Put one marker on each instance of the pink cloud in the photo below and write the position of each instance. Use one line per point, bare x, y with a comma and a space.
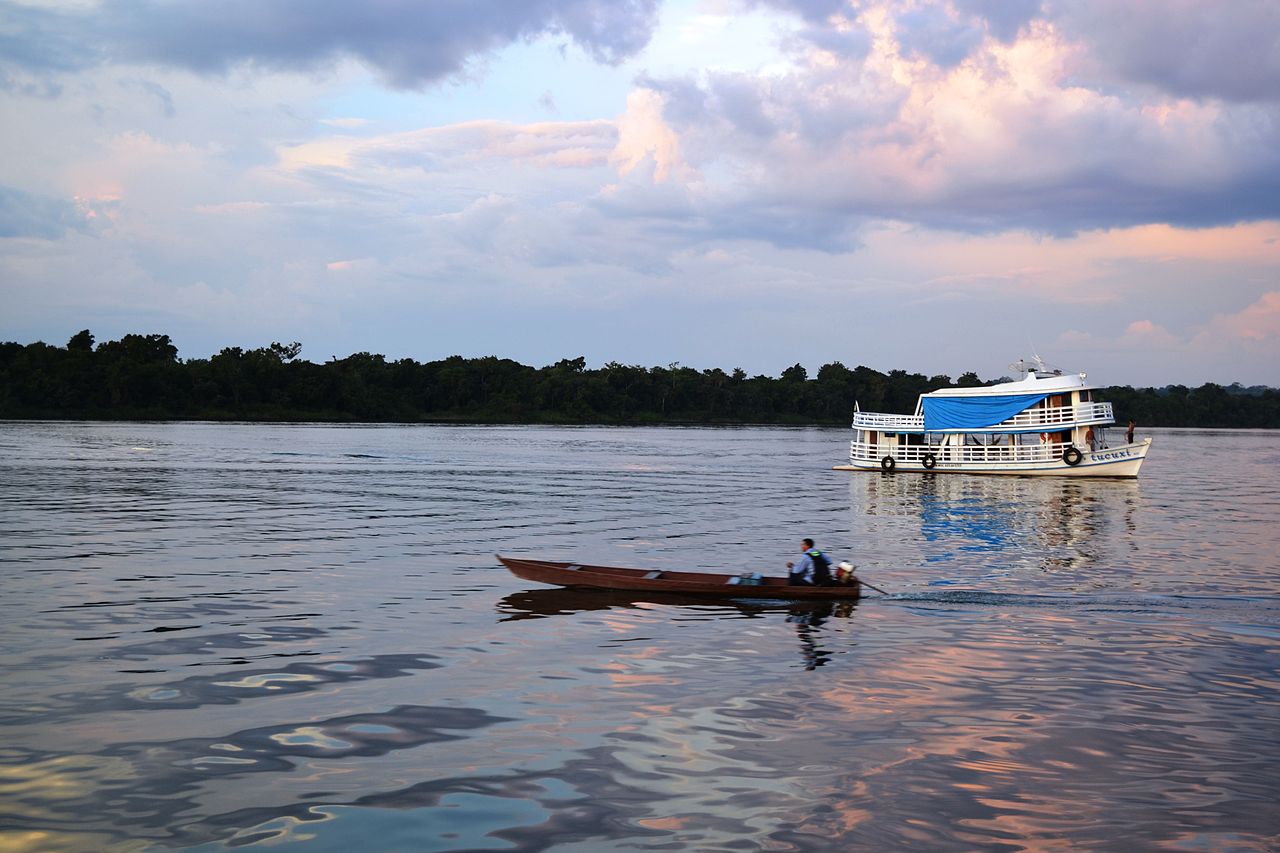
1144, 333
568, 144
1002, 136
643, 136
1254, 330
1259, 322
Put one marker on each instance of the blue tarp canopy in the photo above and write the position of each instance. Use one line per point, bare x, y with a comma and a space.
961, 413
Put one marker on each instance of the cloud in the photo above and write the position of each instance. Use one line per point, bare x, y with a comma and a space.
937, 32
1187, 48
25, 215
1225, 342
547, 144
1146, 335
411, 44
896, 181
1003, 19
643, 136
162, 96
815, 11
960, 118
454, 148
1258, 323
847, 42
43, 40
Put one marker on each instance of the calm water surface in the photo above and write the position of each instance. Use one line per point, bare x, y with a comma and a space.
296, 637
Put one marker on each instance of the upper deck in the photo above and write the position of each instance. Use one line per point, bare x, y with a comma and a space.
1053, 401
1046, 419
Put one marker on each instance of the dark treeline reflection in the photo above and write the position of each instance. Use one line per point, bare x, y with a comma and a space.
141, 377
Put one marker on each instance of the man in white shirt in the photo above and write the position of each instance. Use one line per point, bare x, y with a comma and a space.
813, 569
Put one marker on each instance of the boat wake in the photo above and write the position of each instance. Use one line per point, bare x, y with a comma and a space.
1115, 603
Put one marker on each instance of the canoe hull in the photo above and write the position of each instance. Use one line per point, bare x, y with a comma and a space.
577, 575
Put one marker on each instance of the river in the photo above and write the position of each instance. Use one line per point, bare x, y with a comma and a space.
220, 636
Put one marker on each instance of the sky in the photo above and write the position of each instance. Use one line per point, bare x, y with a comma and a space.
938, 186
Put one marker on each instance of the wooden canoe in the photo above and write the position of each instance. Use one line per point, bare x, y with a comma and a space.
683, 583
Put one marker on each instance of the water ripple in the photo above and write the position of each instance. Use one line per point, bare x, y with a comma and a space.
229, 635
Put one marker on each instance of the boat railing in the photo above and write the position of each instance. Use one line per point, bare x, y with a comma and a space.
888, 423
864, 451
1050, 419
1060, 416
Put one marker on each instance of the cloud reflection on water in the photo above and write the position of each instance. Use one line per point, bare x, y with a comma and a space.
1056, 663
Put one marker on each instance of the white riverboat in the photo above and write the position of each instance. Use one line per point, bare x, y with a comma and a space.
1045, 424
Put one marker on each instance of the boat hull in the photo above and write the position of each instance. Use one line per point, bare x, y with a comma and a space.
579, 576
1111, 462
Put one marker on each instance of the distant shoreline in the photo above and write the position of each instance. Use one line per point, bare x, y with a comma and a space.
497, 424
141, 378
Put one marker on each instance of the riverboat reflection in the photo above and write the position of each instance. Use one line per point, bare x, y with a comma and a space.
1052, 524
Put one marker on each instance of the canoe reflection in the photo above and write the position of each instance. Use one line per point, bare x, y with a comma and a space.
808, 621
808, 617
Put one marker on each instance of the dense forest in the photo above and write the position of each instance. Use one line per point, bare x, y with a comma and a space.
141, 377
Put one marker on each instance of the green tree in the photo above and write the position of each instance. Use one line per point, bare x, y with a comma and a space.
142, 376
81, 341
795, 373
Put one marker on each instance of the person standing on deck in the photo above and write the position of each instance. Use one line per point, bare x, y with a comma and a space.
1128, 434
813, 569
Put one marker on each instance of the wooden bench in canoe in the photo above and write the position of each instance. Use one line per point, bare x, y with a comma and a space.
684, 583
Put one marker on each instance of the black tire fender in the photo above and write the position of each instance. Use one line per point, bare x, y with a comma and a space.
1072, 456
888, 463
929, 460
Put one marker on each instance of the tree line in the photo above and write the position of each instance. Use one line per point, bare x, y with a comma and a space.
141, 377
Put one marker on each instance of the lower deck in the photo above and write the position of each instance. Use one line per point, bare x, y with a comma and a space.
999, 454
